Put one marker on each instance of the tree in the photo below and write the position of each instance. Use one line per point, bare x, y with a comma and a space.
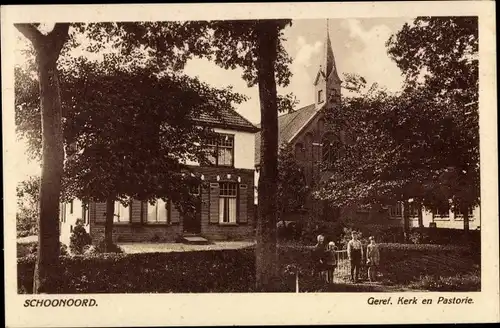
255, 45
230, 44
131, 131
440, 55
121, 146
292, 187
48, 48
171, 38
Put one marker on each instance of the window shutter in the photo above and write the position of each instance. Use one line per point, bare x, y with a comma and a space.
214, 203
135, 215
243, 204
100, 212
175, 215
205, 201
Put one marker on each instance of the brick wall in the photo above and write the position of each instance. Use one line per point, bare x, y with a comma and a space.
139, 231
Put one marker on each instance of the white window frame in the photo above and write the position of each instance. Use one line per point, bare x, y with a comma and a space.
222, 141
439, 216
227, 196
119, 208
395, 211
459, 216
158, 219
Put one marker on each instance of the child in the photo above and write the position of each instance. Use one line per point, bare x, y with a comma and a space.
372, 259
355, 254
331, 261
319, 254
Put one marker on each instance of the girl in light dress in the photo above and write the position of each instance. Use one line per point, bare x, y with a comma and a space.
372, 259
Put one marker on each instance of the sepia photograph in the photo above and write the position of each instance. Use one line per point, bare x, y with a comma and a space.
301, 155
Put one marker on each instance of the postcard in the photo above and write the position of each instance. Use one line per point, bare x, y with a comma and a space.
278, 163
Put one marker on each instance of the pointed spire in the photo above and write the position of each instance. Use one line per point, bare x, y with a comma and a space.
329, 63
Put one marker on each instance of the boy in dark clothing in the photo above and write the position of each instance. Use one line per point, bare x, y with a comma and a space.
355, 254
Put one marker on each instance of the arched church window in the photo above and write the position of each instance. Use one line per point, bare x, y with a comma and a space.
299, 151
308, 144
321, 126
330, 149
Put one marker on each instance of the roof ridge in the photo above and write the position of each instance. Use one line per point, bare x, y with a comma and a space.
243, 117
294, 118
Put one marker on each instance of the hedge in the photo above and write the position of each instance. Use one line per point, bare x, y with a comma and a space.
406, 263
218, 271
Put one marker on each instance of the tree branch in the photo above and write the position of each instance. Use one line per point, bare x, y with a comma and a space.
30, 32
58, 35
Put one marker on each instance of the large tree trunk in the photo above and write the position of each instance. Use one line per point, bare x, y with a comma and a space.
465, 211
108, 227
48, 48
266, 257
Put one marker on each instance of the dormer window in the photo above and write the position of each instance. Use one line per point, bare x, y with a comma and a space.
321, 96
221, 150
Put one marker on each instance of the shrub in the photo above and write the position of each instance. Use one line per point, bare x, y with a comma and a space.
288, 230
31, 248
101, 248
405, 263
187, 272
331, 230
417, 237
191, 272
79, 238
89, 250
155, 238
230, 270
26, 221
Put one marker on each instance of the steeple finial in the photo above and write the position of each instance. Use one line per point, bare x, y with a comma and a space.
329, 63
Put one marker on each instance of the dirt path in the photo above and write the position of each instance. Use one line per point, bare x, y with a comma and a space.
366, 287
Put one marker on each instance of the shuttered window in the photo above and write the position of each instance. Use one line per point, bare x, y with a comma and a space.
122, 213
228, 195
158, 212
396, 211
442, 210
85, 213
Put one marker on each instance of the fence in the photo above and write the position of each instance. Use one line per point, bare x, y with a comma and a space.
343, 266
343, 271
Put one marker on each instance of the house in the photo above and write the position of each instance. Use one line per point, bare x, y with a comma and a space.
314, 141
225, 209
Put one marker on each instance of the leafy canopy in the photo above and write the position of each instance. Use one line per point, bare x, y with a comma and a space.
423, 142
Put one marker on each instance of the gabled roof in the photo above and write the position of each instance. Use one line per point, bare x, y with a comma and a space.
288, 126
230, 119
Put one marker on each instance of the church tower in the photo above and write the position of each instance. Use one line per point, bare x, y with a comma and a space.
327, 81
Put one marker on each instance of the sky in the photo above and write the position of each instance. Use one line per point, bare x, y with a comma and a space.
358, 46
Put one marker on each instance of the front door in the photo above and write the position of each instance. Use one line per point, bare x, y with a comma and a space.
192, 220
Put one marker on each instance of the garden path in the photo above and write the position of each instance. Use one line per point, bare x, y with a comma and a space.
179, 247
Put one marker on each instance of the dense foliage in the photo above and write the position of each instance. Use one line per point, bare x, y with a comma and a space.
79, 238
423, 143
28, 195
292, 188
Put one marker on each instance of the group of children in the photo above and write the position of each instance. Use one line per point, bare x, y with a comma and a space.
326, 257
